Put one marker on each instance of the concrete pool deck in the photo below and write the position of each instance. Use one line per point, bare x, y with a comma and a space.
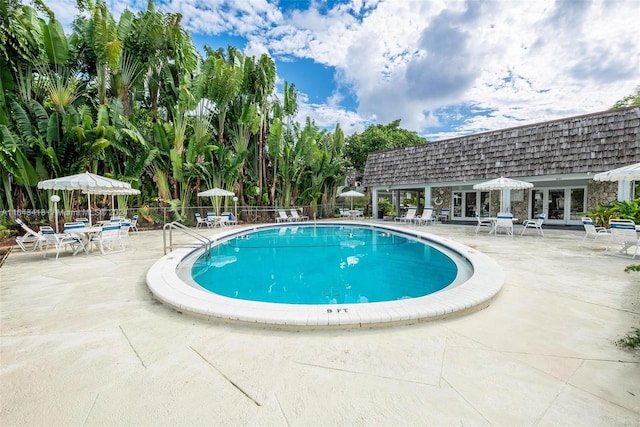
83, 342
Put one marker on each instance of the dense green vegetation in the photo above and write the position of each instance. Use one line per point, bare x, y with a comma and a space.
376, 138
134, 100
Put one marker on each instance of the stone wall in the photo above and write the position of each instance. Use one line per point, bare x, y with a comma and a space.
601, 192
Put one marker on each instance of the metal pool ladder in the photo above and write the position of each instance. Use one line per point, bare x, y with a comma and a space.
168, 229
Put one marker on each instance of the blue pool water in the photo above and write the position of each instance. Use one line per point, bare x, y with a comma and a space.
324, 265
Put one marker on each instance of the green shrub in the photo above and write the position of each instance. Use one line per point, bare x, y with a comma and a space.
624, 210
386, 207
4, 232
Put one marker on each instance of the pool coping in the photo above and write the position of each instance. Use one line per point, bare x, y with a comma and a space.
474, 294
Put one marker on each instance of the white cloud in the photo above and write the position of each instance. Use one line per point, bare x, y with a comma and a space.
422, 60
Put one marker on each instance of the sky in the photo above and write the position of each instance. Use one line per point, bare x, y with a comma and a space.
444, 68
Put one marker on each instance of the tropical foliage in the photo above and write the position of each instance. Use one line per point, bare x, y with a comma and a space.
133, 99
617, 209
379, 137
629, 100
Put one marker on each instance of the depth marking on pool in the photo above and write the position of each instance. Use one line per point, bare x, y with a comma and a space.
337, 310
168, 284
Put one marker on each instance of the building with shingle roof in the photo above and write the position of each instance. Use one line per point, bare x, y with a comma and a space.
559, 157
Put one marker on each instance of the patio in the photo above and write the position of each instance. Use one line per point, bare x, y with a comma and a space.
83, 342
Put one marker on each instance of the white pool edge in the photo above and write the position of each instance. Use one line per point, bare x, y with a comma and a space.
474, 294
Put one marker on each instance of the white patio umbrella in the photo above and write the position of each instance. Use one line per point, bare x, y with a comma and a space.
503, 184
625, 173
351, 194
83, 181
216, 193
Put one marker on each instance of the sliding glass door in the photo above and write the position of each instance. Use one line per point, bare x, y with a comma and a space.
561, 205
467, 203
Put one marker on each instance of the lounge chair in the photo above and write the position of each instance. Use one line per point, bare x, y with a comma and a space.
624, 231
30, 240
282, 216
200, 221
408, 217
107, 239
534, 223
344, 213
504, 222
297, 217
592, 231
444, 215
483, 222
426, 217
60, 240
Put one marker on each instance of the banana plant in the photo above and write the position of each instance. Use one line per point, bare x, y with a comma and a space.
221, 80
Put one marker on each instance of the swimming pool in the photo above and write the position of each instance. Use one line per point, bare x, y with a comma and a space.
326, 264
169, 283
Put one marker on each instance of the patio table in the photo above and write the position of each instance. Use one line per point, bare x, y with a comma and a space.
494, 220
216, 220
84, 233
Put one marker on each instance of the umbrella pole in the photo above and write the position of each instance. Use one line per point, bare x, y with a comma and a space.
89, 199
55, 208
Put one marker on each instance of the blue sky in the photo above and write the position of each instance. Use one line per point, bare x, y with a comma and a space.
445, 68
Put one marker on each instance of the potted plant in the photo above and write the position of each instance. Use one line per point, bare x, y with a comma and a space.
385, 210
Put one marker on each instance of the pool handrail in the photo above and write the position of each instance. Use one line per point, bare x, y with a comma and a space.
186, 230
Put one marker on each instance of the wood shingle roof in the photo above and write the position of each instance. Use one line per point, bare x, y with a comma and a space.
589, 143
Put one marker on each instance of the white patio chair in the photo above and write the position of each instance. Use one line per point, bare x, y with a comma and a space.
201, 221
30, 240
344, 213
504, 222
483, 222
624, 231
297, 217
230, 219
534, 223
592, 231
426, 217
407, 217
70, 226
444, 215
125, 226
282, 216
134, 223
107, 239
60, 240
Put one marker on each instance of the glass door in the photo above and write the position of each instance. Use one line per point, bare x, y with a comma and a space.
457, 204
555, 201
561, 205
577, 203
537, 203
467, 203
485, 203
470, 204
